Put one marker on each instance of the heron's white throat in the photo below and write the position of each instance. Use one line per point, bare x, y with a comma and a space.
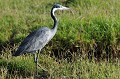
53, 11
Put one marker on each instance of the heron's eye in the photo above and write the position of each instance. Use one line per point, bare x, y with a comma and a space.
57, 6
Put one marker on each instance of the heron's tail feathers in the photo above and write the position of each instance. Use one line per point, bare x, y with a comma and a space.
18, 52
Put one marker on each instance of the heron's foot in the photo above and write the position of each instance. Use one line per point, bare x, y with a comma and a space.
42, 75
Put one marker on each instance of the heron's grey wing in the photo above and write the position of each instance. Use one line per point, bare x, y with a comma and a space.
24, 44
34, 41
40, 39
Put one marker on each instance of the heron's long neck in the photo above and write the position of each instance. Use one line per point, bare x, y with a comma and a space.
55, 20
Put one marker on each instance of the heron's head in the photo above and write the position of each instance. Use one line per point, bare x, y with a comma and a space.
58, 7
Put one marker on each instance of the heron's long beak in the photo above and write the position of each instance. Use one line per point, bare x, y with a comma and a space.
65, 8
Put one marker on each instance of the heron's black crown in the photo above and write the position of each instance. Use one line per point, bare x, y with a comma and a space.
57, 6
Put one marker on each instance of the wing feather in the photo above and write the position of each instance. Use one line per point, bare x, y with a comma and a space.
34, 41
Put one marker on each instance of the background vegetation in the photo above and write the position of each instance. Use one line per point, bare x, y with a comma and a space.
86, 45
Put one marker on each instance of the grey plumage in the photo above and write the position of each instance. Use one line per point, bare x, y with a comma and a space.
36, 40
39, 38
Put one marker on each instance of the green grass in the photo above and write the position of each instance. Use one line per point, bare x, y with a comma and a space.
89, 28
80, 68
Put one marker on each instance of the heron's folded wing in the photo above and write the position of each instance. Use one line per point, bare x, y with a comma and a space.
34, 41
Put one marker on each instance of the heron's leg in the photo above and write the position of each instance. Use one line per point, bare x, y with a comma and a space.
36, 62
35, 57
39, 64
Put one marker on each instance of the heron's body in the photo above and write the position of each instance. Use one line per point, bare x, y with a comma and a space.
36, 40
